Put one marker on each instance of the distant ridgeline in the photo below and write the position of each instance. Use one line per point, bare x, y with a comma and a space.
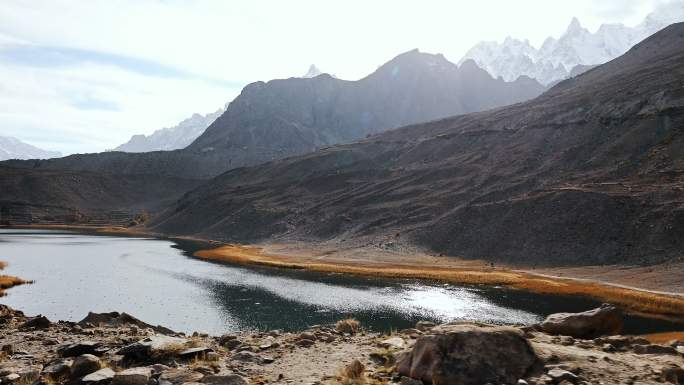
281, 118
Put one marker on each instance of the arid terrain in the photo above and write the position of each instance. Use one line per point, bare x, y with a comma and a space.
119, 349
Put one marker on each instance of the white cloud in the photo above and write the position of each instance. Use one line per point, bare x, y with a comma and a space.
90, 104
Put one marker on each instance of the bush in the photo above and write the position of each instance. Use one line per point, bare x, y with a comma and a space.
349, 326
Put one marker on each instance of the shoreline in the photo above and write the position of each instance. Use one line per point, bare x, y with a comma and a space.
636, 300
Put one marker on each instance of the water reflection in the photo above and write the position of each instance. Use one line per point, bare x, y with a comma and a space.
159, 282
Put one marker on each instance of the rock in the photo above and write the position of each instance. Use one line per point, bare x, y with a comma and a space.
246, 356
226, 379
100, 377
8, 349
558, 375
654, 349
80, 348
58, 369
39, 322
156, 345
469, 354
159, 368
424, 325
393, 342
305, 343
522, 382
680, 349
194, 352
85, 364
133, 376
231, 344
115, 319
180, 376
10, 378
409, 381
673, 374
306, 336
605, 320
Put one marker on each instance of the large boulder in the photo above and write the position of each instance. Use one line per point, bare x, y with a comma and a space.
604, 320
154, 347
469, 354
116, 319
84, 365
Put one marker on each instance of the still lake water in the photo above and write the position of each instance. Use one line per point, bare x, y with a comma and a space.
160, 282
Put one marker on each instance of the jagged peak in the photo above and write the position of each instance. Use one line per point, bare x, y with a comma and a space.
574, 27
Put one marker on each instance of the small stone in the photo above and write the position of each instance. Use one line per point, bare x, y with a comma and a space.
306, 336
654, 349
409, 381
245, 357
79, 348
305, 343
100, 377
58, 369
393, 342
522, 382
85, 364
7, 349
425, 325
10, 378
180, 376
268, 360
133, 376
558, 375
227, 379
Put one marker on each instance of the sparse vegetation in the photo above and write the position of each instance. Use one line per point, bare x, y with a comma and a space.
352, 374
664, 338
349, 326
8, 281
635, 301
139, 219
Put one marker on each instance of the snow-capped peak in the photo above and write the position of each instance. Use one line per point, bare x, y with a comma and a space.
312, 72
577, 47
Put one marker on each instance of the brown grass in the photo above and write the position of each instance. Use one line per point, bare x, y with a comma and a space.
349, 325
632, 300
664, 338
8, 281
352, 374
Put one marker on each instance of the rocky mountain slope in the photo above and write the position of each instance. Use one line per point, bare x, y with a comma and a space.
13, 148
171, 138
588, 173
46, 196
294, 116
568, 55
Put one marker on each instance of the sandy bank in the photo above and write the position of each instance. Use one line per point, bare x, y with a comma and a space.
446, 269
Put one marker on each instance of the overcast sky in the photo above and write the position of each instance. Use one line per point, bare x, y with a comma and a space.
83, 76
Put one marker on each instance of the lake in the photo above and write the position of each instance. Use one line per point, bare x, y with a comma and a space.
159, 282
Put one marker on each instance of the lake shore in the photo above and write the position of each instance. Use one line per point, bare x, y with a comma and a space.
118, 349
659, 294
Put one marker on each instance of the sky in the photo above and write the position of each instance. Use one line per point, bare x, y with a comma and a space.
84, 75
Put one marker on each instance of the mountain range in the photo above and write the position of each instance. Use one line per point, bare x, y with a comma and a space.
13, 148
576, 50
590, 172
285, 117
171, 138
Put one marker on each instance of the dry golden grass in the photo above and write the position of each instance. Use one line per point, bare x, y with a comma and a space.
349, 325
8, 281
3, 265
352, 374
664, 338
635, 301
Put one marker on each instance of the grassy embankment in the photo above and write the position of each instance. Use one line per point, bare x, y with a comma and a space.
8, 281
634, 301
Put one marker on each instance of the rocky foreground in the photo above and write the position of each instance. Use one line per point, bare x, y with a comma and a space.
119, 349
